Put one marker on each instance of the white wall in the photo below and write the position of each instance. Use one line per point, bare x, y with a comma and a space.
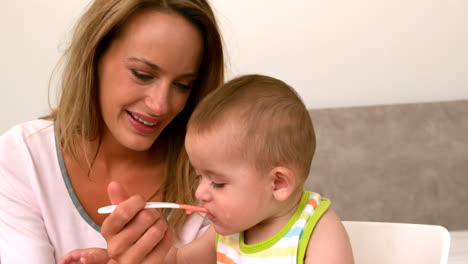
33, 36
335, 53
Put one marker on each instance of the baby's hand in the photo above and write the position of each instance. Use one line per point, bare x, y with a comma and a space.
86, 256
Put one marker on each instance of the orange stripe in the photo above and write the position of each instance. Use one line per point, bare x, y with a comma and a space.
222, 258
313, 203
190, 208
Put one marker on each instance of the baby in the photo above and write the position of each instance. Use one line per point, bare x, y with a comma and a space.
251, 143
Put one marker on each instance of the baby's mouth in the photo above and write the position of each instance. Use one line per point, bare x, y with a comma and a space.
211, 217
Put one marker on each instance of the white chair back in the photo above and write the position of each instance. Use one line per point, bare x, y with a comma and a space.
398, 243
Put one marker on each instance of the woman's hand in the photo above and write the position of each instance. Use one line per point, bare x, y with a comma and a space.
135, 235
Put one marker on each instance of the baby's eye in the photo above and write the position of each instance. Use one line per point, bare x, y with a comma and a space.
216, 185
141, 76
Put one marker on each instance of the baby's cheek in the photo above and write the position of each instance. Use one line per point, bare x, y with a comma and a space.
227, 216
232, 217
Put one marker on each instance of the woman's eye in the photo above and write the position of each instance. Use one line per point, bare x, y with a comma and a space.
217, 185
183, 86
141, 76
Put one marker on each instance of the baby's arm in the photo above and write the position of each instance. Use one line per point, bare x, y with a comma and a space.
329, 243
202, 250
86, 256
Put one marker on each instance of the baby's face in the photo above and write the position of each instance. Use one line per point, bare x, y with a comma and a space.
235, 194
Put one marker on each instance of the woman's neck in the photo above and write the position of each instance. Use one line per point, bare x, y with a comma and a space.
110, 160
113, 152
90, 172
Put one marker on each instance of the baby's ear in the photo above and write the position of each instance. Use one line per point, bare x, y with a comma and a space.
284, 182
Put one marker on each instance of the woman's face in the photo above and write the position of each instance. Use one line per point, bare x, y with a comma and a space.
146, 76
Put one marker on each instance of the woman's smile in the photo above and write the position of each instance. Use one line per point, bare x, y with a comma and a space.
143, 124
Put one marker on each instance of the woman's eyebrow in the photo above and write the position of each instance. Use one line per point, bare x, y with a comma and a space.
150, 64
156, 67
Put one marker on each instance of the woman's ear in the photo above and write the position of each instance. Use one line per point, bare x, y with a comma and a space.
284, 182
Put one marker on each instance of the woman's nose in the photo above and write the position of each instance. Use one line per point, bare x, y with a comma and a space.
158, 98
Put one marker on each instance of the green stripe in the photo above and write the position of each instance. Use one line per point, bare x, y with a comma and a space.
249, 249
309, 227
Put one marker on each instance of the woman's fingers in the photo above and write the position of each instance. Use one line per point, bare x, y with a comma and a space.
116, 193
122, 215
143, 222
127, 208
134, 235
151, 247
158, 254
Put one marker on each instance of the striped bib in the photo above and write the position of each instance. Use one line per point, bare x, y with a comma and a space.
287, 246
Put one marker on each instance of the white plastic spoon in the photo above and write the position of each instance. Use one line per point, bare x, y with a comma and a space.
188, 208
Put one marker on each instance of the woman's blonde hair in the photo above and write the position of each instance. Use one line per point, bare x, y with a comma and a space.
77, 116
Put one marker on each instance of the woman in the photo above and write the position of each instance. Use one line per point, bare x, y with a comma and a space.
133, 73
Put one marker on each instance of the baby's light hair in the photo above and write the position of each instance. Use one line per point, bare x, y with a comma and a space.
270, 117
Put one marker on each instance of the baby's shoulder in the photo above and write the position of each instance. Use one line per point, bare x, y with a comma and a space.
329, 241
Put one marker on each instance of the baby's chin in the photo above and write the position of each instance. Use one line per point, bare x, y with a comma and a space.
226, 231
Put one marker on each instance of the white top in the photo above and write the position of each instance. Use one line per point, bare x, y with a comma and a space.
41, 218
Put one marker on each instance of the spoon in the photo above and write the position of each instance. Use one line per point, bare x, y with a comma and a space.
188, 208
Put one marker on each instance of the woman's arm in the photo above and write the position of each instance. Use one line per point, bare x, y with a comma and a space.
329, 243
23, 236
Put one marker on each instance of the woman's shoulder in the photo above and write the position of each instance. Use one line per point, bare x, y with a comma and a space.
39, 127
28, 156
25, 136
